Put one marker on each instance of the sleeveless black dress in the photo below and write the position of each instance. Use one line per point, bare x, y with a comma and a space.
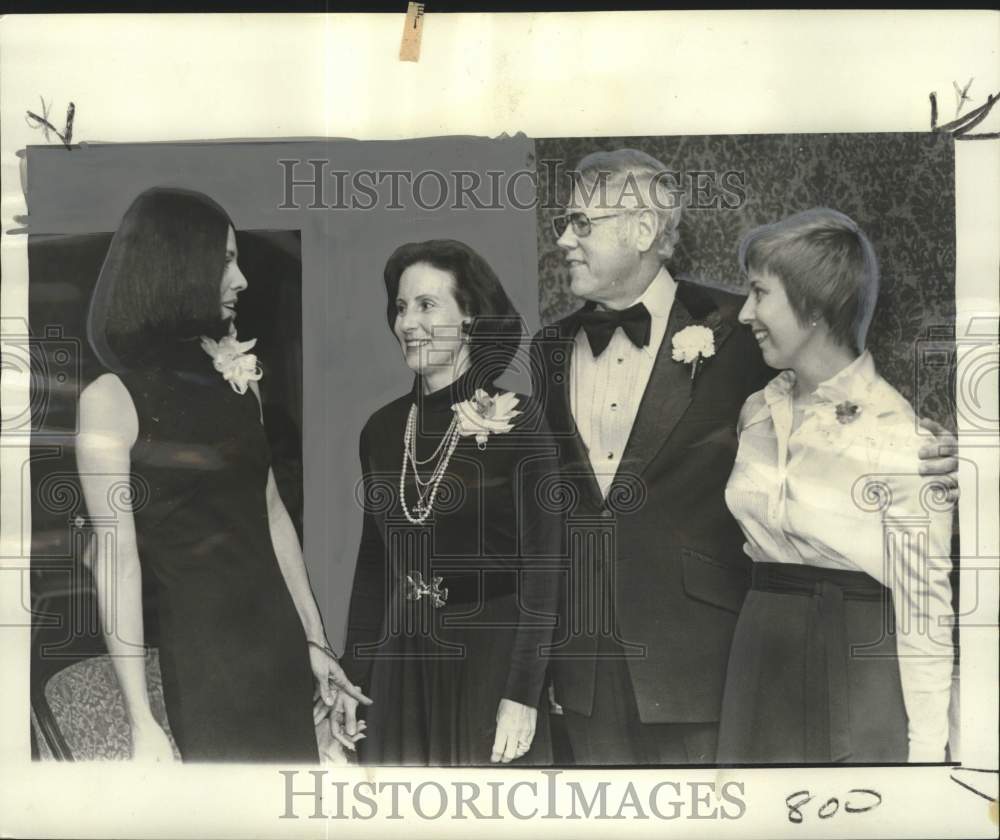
436, 671
237, 682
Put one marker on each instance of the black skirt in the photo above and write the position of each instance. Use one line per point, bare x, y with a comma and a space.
437, 681
813, 673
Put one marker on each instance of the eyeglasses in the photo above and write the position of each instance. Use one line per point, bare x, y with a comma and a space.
581, 223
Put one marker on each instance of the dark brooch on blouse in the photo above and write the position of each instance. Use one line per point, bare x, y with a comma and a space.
848, 412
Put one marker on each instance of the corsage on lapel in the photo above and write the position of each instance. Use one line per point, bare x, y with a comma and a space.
231, 359
482, 415
695, 343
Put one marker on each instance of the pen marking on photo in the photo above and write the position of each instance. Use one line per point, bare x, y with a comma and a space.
961, 127
42, 121
970, 787
961, 95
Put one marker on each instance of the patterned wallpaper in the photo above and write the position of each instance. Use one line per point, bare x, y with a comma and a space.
899, 188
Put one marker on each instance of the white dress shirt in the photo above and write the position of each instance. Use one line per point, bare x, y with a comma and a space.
605, 392
847, 494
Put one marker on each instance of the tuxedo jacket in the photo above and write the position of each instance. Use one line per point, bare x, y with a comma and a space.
658, 563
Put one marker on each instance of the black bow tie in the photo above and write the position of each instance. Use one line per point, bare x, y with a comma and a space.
600, 325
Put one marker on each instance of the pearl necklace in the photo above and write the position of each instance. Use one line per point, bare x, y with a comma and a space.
426, 489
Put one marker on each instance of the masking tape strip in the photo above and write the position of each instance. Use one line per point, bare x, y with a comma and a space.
413, 29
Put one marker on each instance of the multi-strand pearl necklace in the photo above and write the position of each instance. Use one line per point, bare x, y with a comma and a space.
426, 490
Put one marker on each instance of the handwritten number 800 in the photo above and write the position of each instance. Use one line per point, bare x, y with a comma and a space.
863, 800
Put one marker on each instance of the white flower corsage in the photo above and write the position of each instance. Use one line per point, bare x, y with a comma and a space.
483, 415
692, 345
231, 359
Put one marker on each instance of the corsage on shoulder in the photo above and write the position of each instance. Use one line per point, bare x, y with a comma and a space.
483, 415
230, 358
847, 412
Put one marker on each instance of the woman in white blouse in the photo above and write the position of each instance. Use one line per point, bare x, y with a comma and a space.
844, 532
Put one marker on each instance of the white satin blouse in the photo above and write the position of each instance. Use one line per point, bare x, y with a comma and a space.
843, 491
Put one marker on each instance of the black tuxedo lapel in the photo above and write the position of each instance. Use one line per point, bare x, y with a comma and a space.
667, 396
668, 392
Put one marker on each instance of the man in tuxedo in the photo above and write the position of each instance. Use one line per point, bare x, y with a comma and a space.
647, 441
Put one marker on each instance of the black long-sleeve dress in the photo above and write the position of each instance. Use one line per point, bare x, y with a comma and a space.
237, 683
436, 673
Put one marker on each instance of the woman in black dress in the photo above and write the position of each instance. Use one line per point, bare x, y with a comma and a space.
455, 585
241, 637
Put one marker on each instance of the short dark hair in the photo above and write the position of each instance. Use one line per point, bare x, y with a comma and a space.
161, 278
497, 328
827, 266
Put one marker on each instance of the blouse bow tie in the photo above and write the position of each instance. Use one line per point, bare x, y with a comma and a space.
600, 325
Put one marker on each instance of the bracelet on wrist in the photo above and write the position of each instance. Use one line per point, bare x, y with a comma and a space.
325, 647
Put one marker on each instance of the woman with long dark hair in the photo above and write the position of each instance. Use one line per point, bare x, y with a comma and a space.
241, 639
455, 587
